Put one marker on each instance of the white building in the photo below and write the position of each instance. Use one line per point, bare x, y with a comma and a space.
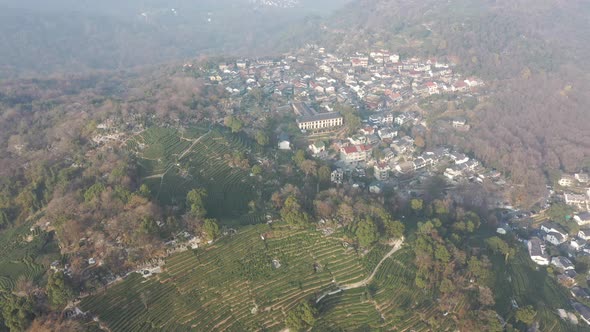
562, 263
337, 176
537, 251
354, 153
382, 172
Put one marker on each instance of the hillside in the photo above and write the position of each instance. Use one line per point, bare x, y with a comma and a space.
533, 53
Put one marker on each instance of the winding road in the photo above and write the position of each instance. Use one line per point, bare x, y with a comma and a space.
397, 244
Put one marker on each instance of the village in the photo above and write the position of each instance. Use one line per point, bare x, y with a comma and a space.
387, 150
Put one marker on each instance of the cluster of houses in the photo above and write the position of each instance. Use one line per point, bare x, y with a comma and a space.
576, 190
552, 234
377, 81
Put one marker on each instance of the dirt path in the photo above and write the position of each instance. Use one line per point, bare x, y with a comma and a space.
396, 246
193, 145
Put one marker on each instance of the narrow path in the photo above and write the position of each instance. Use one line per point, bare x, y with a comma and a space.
396, 246
193, 145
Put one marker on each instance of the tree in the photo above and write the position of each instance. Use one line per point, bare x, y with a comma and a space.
210, 229
324, 174
308, 167
416, 204
93, 192
58, 289
498, 245
299, 157
17, 312
560, 212
486, 297
194, 200
262, 138
233, 123
393, 228
351, 118
256, 170
293, 214
301, 317
526, 315
144, 191
366, 232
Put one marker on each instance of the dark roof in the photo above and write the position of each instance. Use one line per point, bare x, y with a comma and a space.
578, 291
555, 226
319, 117
535, 248
582, 309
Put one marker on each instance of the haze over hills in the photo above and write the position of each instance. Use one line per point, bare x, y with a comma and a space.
70, 36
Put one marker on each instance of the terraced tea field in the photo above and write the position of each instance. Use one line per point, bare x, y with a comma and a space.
25, 254
172, 163
232, 285
520, 280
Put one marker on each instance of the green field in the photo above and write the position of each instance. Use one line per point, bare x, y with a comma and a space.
172, 163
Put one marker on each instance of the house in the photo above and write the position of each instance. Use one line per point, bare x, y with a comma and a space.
562, 263
453, 172
317, 147
337, 176
584, 234
403, 145
574, 199
460, 86
284, 143
556, 235
354, 153
459, 158
565, 280
375, 188
579, 242
309, 119
555, 238
580, 292
432, 88
537, 251
583, 310
582, 218
459, 122
382, 171
368, 130
385, 133
401, 119
405, 167
357, 139
582, 177
566, 181
387, 119
549, 227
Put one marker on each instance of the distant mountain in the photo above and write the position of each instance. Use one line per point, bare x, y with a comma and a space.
72, 36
